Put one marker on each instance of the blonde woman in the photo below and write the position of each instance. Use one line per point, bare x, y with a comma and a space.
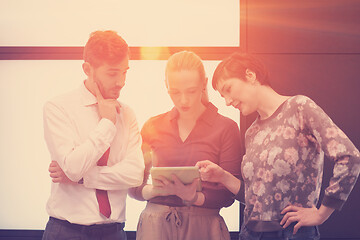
192, 131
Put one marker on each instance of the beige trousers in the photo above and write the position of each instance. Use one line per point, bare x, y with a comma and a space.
160, 222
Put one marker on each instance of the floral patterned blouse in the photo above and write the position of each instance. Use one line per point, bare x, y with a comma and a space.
283, 163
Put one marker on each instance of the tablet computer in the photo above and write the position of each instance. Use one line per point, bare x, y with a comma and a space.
185, 174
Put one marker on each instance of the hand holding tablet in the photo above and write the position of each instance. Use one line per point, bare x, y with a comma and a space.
185, 174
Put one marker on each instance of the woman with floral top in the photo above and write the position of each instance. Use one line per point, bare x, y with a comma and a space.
283, 165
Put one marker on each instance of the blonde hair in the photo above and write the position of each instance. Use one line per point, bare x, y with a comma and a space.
187, 60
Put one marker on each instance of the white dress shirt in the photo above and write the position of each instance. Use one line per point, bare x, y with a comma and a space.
76, 138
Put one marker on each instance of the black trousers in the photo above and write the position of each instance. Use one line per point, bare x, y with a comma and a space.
57, 229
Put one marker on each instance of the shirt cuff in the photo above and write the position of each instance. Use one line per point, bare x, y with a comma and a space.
333, 202
90, 178
107, 128
103, 134
240, 196
217, 198
136, 192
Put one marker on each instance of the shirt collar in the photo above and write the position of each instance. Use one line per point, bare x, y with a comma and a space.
174, 114
208, 115
86, 96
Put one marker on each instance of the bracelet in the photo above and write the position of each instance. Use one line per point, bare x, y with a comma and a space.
189, 203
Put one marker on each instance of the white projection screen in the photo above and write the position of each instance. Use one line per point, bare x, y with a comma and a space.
25, 85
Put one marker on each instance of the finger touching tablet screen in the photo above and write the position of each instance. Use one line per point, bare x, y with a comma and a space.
185, 174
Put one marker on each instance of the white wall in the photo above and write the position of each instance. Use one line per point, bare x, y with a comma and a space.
24, 158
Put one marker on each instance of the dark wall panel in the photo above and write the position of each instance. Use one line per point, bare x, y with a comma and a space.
330, 80
307, 26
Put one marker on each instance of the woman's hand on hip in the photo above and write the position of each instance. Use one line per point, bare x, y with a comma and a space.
305, 216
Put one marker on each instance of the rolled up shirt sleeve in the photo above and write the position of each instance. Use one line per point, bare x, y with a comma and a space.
230, 160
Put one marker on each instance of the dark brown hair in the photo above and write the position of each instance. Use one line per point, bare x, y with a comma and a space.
235, 66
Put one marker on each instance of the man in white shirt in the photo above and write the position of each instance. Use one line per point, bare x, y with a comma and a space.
95, 145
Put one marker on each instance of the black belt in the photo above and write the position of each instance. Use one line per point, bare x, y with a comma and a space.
95, 229
280, 233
